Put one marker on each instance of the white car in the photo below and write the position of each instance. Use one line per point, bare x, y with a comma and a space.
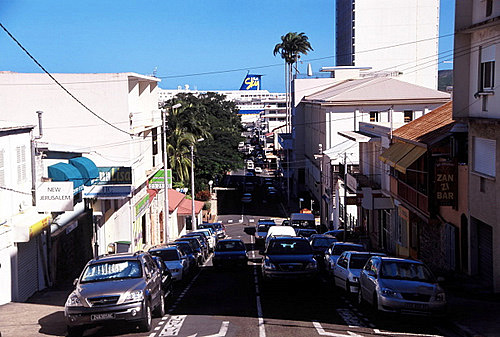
335, 250
279, 231
212, 240
174, 259
346, 270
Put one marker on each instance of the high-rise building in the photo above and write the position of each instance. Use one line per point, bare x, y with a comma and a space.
394, 37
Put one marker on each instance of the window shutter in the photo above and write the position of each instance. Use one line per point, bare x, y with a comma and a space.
484, 156
21, 164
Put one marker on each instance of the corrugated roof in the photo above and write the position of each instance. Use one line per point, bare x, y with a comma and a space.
174, 199
185, 207
428, 128
375, 89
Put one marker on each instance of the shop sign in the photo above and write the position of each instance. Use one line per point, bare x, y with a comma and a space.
157, 181
39, 226
141, 205
120, 175
54, 196
446, 179
107, 192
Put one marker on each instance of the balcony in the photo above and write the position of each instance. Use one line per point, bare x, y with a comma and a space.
410, 195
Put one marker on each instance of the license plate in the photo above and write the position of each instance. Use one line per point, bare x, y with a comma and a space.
100, 317
417, 306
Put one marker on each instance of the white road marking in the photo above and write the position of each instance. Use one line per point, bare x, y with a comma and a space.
223, 330
251, 220
322, 332
262, 328
377, 331
230, 221
173, 325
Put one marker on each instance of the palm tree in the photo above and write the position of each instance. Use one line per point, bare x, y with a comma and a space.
290, 48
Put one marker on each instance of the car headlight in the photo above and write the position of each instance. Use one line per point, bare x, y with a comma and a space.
269, 265
134, 296
440, 297
312, 265
73, 301
389, 293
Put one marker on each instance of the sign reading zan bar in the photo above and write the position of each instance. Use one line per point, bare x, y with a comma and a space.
446, 182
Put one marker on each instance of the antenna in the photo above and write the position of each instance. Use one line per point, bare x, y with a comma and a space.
154, 71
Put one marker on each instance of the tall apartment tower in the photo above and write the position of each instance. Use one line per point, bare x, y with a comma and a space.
391, 36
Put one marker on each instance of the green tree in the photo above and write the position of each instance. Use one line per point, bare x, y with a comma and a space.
290, 48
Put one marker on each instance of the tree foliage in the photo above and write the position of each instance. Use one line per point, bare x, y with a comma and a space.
211, 117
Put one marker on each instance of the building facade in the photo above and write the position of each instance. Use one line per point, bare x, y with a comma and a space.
407, 38
477, 28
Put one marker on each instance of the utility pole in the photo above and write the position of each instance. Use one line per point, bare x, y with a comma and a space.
345, 195
193, 215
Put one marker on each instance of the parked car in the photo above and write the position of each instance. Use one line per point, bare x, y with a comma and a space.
230, 252
400, 285
279, 231
347, 269
319, 244
305, 232
261, 230
196, 246
288, 257
173, 259
218, 227
166, 277
203, 242
191, 255
336, 249
117, 287
211, 238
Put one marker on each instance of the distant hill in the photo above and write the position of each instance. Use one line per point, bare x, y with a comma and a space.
445, 79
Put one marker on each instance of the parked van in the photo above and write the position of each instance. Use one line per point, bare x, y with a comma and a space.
302, 220
280, 231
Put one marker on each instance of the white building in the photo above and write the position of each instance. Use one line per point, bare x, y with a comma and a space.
476, 101
23, 243
340, 107
114, 120
391, 36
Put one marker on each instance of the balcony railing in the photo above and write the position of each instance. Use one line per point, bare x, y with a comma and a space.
410, 195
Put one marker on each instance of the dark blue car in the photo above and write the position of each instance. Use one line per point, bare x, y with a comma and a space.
230, 252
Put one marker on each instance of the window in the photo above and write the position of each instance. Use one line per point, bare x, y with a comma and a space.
484, 156
154, 137
487, 68
21, 164
374, 116
408, 116
489, 7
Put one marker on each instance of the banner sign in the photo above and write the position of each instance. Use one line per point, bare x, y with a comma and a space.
120, 175
446, 183
156, 181
54, 196
251, 82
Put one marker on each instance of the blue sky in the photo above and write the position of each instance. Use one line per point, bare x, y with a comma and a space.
177, 37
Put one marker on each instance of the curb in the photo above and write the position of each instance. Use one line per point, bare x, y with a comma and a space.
463, 330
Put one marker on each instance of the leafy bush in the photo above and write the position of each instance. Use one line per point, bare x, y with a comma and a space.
203, 195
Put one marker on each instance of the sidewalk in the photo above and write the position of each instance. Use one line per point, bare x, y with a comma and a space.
472, 310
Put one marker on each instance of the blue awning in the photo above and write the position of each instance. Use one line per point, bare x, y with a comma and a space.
250, 112
87, 169
66, 172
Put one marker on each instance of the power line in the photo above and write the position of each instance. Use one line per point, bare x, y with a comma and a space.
59, 84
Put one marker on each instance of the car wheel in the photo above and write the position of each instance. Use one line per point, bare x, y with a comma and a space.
147, 322
160, 309
75, 331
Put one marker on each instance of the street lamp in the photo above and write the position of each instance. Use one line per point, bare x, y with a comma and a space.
320, 155
166, 211
193, 216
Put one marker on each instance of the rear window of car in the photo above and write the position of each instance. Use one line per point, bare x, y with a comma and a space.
263, 228
323, 242
230, 246
166, 254
339, 249
289, 247
112, 270
358, 261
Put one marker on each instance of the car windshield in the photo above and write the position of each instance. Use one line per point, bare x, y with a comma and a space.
166, 254
323, 242
405, 271
289, 247
339, 249
112, 270
358, 261
230, 246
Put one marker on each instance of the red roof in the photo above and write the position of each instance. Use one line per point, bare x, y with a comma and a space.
174, 199
185, 207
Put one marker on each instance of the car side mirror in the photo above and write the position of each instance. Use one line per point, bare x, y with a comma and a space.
371, 273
